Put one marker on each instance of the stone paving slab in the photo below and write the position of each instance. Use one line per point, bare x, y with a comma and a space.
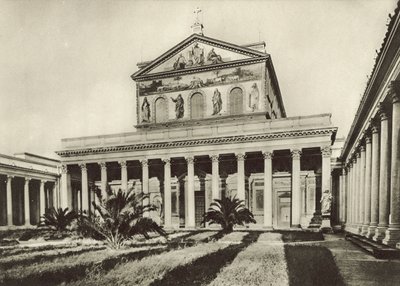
359, 268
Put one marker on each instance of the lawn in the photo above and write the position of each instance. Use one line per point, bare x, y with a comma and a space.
185, 258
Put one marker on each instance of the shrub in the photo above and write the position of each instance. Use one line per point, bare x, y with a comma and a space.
119, 217
58, 219
228, 212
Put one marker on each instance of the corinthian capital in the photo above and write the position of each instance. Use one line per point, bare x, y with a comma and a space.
123, 163
189, 159
214, 158
64, 169
83, 166
296, 154
268, 155
394, 91
240, 156
326, 151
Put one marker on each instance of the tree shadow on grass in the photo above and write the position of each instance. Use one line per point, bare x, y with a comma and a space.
311, 265
205, 269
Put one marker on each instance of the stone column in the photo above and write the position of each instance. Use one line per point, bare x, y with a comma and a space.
64, 187
84, 188
326, 185
268, 189
296, 194
42, 198
356, 195
350, 195
103, 168
167, 193
384, 188
393, 232
55, 194
124, 175
240, 176
215, 177
367, 184
190, 220
9, 201
361, 189
145, 184
374, 181
344, 196
26, 202
358, 190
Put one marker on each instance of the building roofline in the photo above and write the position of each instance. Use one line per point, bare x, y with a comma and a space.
382, 63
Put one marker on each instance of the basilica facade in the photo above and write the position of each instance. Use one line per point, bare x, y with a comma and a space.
211, 123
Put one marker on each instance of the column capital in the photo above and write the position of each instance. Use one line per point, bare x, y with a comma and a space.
166, 161
362, 149
189, 159
102, 164
354, 160
344, 171
64, 169
368, 138
27, 179
240, 156
394, 91
144, 163
83, 166
326, 151
358, 155
268, 155
122, 163
382, 111
295, 153
42, 182
10, 177
214, 158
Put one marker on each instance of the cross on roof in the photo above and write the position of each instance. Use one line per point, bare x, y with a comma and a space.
197, 11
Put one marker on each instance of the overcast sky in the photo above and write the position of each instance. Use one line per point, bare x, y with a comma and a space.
65, 66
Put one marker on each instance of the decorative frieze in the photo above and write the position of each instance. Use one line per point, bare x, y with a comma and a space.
196, 142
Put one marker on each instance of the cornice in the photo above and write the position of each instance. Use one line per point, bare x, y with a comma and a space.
17, 168
197, 142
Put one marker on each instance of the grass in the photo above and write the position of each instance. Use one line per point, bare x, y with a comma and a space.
27, 258
311, 265
150, 268
258, 264
72, 267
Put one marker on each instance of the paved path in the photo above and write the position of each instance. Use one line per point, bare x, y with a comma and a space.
360, 268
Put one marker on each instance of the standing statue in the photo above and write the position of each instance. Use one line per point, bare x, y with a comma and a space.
326, 201
217, 102
145, 110
254, 97
213, 57
179, 108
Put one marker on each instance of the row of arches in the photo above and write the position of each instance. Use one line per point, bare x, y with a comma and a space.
198, 105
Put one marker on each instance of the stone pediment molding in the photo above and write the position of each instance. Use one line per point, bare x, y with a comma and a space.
195, 38
199, 142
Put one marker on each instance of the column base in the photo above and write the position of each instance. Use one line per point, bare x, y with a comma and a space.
380, 233
392, 236
364, 229
316, 220
371, 231
326, 224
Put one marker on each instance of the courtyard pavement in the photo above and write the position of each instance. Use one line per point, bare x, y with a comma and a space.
359, 268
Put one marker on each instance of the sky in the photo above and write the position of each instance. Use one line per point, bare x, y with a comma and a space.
65, 66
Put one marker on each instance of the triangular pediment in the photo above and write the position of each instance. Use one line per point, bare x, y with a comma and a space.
197, 51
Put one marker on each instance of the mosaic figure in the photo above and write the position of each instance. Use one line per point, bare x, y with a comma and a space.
217, 102
213, 57
180, 62
254, 97
179, 108
196, 56
145, 110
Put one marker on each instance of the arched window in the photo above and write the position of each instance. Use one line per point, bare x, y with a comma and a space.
161, 110
197, 106
236, 101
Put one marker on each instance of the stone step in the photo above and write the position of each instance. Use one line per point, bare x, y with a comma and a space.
374, 248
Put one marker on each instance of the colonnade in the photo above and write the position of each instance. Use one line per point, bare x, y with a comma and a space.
190, 200
44, 198
370, 181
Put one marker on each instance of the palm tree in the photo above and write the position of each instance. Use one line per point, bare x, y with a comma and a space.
228, 212
119, 217
58, 219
